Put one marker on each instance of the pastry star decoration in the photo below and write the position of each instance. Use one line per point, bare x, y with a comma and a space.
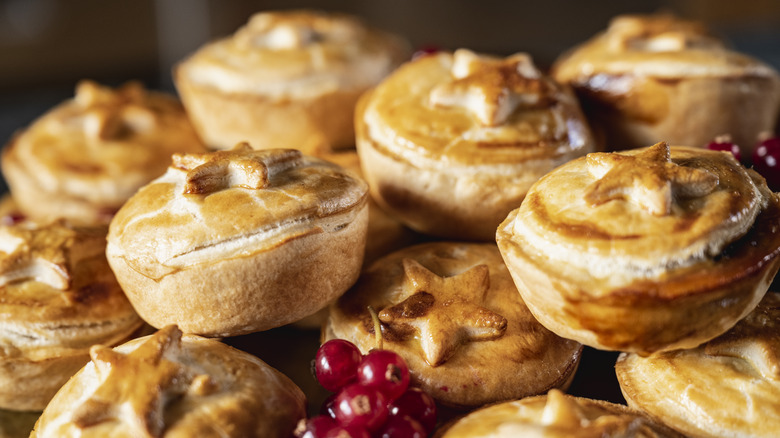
110, 114
40, 254
445, 310
663, 33
135, 387
241, 166
561, 411
490, 88
648, 179
755, 339
291, 31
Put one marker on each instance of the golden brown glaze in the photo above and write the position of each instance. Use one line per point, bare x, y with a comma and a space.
728, 386
286, 79
169, 385
448, 132
657, 77
556, 415
451, 310
617, 276
85, 157
58, 297
262, 227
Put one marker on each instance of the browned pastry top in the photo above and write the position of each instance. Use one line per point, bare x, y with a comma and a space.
173, 385
452, 311
227, 204
464, 108
557, 415
57, 291
728, 386
637, 214
103, 144
295, 54
661, 46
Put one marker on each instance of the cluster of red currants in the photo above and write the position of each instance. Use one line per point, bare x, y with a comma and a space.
765, 159
372, 397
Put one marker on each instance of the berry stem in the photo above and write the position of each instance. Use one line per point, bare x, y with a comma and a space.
377, 327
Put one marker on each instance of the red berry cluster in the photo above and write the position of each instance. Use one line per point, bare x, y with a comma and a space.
765, 159
372, 397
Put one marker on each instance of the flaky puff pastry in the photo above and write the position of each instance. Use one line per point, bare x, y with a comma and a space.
84, 158
657, 77
452, 312
450, 143
58, 297
556, 415
286, 79
727, 387
172, 385
644, 250
237, 241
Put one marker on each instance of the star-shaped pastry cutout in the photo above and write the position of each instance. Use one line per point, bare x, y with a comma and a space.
445, 311
649, 179
755, 339
241, 166
561, 411
491, 88
110, 114
135, 387
661, 33
294, 30
37, 253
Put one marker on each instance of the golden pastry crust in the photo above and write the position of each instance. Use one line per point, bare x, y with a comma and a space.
385, 233
729, 386
618, 250
83, 159
173, 385
451, 311
449, 132
654, 77
556, 415
277, 234
286, 79
59, 297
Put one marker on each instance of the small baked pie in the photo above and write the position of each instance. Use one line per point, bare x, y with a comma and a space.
649, 78
644, 250
729, 386
452, 312
58, 297
85, 157
173, 385
286, 79
237, 241
450, 143
556, 415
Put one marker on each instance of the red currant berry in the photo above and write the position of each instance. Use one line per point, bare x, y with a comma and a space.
386, 371
417, 404
327, 406
723, 143
358, 405
425, 50
336, 364
402, 427
348, 432
766, 161
315, 427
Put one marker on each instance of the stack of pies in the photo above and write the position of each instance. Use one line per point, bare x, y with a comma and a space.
326, 177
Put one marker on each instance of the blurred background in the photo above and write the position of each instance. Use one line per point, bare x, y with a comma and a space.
46, 46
